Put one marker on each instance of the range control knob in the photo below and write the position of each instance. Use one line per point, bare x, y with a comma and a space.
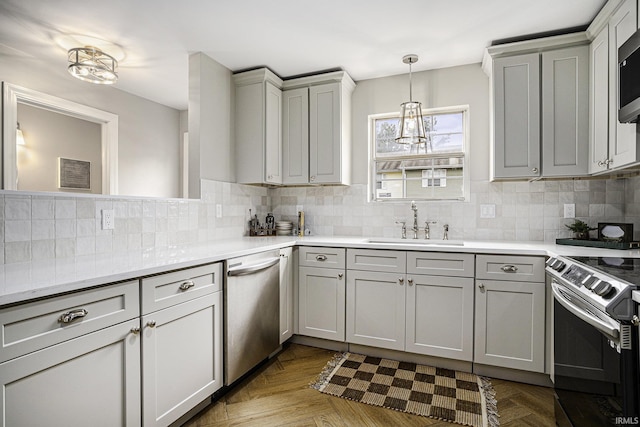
590, 281
558, 265
602, 288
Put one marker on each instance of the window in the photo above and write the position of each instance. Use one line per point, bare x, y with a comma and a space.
434, 170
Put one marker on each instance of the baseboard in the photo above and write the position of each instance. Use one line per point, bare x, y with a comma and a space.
516, 375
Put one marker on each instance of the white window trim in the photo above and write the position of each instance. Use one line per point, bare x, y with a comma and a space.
466, 149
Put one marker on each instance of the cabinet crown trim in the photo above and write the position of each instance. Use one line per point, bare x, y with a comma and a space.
257, 76
336, 76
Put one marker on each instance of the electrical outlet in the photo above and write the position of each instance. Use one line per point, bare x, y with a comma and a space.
108, 220
569, 210
488, 211
218, 210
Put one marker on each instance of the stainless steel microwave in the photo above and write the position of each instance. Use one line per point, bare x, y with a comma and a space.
629, 80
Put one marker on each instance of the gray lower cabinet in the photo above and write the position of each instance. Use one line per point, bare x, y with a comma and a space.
286, 294
181, 344
321, 303
439, 316
376, 309
510, 324
72, 360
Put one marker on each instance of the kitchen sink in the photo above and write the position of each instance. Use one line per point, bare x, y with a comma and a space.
417, 242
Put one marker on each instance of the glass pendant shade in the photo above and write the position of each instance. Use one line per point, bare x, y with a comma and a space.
411, 126
92, 65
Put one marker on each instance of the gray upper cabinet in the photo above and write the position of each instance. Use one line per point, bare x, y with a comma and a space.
599, 103
540, 96
317, 129
295, 137
516, 100
258, 127
565, 111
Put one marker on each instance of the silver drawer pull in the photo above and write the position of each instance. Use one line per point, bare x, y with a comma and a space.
135, 330
321, 257
72, 315
151, 323
481, 287
410, 280
185, 286
509, 268
340, 275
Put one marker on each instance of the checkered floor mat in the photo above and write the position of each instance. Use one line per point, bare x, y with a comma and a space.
454, 396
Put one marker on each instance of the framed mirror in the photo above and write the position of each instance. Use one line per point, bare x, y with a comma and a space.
14, 95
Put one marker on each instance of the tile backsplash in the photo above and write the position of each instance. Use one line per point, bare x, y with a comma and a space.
39, 226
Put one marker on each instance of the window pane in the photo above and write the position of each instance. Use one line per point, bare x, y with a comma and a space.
447, 123
385, 135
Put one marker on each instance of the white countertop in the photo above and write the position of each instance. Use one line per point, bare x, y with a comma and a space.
24, 281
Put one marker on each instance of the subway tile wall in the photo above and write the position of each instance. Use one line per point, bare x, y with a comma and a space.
523, 210
39, 226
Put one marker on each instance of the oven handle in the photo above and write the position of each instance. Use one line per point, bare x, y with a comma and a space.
611, 331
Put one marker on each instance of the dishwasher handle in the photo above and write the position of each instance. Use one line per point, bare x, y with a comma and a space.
243, 269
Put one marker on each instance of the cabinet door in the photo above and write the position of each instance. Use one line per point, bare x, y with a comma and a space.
517, 116
321, 303
510, 324
93, 380
295, 136
325, 154
622, 137
181, 358
273, 134
565, 112
599, 103
440, 316
286, 294
376, 309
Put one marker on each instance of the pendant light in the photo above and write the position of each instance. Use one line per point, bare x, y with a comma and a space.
411, 127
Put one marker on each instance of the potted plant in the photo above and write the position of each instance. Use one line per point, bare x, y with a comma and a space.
580, 229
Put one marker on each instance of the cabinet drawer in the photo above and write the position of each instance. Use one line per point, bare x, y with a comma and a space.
510, 267
440, 264
321, 257
33, 326
168, 289
377, 260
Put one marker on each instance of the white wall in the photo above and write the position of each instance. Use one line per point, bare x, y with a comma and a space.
445, 87
211, 151
148, 133
50, 135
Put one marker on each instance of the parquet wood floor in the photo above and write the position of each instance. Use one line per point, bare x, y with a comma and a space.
278, 394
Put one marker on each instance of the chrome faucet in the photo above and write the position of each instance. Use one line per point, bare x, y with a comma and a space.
414, 208
404, 228
445, 236
427, 230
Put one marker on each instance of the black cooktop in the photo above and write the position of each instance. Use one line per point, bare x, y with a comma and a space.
627, 269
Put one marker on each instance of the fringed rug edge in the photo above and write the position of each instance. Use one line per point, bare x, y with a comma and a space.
489, 403
332, 365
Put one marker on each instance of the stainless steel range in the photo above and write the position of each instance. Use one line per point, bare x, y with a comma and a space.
595, 340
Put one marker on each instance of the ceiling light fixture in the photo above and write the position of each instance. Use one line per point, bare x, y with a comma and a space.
92, 65
411, 128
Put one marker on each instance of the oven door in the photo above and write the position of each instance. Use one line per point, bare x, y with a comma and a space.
588, 370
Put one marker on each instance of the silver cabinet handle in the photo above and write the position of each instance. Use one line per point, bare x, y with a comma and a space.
72, 315
340, 275
321, 257
185, 286
401, 280
151, 323
135, 330
601, 163
481, 287
509, 268
534, 170
312, 178
410, 280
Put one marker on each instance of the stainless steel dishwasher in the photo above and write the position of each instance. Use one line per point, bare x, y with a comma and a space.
252, 313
